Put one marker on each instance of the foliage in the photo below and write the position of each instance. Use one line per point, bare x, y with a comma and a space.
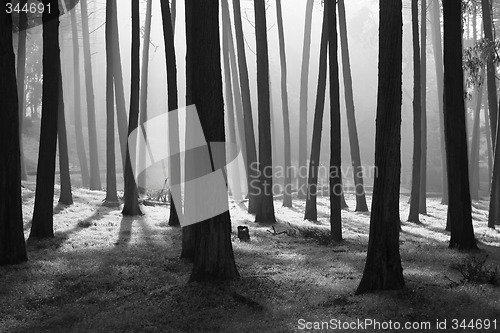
476, 271
476, 57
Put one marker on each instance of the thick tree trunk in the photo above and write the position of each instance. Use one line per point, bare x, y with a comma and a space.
361, 205
42, 223
490, 70
383, 263
21, 74
12, 245
304, 91
459, 207
311, 211
80, 145
265, 208
438, 60
213, 256
65, 195
494, 213
252, 171
95, 177
287, 192
173, 123
111, 199
335, 137
417, 120
130, 196
423, 95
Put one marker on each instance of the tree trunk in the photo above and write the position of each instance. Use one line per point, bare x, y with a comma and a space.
361, 205
21, 74
143, 106
173, 130
417, 120
80, 145
459, 207
383, 263
488, 147
474, 150
130, 196
111, 199
304, 84
311, 211
252, 171
12, 245
65, 195
423, 92
335, 137
42, 223
174, 15
490, 70
438, 60
213, 256
494, 213
287, 192
265, 208
95, 177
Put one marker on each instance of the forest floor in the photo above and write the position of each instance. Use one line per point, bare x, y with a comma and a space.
106, 273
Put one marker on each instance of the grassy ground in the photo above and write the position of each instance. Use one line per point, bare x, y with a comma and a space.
105, 273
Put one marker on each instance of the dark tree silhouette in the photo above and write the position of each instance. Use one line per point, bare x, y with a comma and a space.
42, 223
383, 268
417, 120
12, 246
213, 252
65, 195
265, 207
459, 207
423, 105
311, 211
130, 197
335, 137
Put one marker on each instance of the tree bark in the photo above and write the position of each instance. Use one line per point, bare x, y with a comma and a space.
130, 196
474, 150
265, 207
423, 92
65, 195
311, 211
42, 223
335, 137
383, 268
95, 177
252, 171
213, 253
361, 205
80, 145
417, 120
12, 245
304, 84
21, 74
459, 207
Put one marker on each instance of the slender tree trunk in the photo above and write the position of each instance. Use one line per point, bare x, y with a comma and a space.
438, 60
130, 196
417, 120
95, 177
265, 208
335, 138
311, 211
21, 74
304, 84
65, 195
253, 177
490, 70
361, 205
494, 213
174, 14
459, 207
42, 223
111, 199
287, 193
213, 256
143, 106
383, 262
474, 150
80, 145
12, 245
488, 147
173, 130
423, 92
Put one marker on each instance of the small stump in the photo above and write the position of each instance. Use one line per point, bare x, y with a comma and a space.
243, 233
